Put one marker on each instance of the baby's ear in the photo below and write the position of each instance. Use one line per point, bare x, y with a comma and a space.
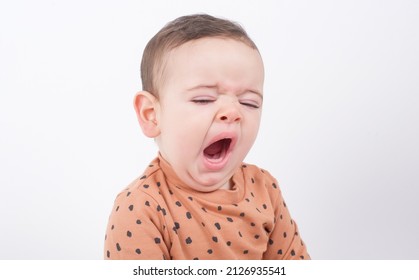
146, 107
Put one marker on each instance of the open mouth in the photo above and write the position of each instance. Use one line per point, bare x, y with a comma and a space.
217, 150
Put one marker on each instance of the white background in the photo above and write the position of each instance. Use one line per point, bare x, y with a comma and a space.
339, 129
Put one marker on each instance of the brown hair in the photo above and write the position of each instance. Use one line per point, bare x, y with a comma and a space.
178, 32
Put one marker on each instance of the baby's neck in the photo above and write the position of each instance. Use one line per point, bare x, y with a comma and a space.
227, 186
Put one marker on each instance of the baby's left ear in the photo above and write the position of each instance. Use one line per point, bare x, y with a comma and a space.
146, 107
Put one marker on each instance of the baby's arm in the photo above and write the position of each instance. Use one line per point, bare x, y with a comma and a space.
285, 241
136, 229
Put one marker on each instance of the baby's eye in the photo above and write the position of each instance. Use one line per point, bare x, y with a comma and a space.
250, 104
202, 101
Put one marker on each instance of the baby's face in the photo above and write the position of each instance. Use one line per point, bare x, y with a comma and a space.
210, 110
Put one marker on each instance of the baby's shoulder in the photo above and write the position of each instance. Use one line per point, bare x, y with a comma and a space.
254, 171
145, 187
259, 182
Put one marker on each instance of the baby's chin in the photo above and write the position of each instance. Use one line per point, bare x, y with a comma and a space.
210, 182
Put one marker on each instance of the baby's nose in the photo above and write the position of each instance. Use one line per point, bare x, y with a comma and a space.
229, 114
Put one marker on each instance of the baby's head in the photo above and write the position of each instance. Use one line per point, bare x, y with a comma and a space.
178, 32
202, 98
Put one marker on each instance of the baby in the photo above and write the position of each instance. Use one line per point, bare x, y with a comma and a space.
202, 102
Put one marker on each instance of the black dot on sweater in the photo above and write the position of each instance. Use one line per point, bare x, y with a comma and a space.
280, 216
251, 193
215, 239
188, 240
157, 240
285, 235
188, 215
128, 193
257, 236
203, 209
178, 203
177, 225
112, 227
158, 184
163, 211
279, 252
229, 219
219, 208
147, 203
248, 200
242, 214
144, 176
274, 185
285, 205
264, 206
108, 254
235, 204
253, 181
158, 208
170, 191
209, 251
292, 253
228, 243
138, 222
271, 242
131, 207
129, 234
258, 210
217, 225
146, 186
240, 234
190, 198
252, 224
117, 208
138, 251
245, 252
302, 257
203, 224
292, 222
118, 247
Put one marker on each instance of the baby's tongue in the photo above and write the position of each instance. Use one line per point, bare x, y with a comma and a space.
214, 150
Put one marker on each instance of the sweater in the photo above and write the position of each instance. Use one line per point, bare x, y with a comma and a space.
159, 217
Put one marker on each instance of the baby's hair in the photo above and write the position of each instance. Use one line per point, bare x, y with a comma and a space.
179, 32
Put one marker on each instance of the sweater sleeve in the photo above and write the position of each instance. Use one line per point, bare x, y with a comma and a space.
285, 241
136, 228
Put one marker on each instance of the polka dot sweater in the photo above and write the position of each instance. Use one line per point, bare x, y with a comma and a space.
158, 217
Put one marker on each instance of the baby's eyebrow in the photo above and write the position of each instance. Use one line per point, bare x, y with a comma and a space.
202, 87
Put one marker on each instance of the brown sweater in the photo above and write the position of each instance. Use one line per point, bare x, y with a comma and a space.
158, 217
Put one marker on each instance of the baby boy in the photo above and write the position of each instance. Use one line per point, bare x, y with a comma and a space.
202, 102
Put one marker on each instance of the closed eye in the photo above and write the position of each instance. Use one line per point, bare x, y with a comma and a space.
251, 105
202, 101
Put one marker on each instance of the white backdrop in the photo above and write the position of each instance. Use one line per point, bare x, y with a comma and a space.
339, 129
